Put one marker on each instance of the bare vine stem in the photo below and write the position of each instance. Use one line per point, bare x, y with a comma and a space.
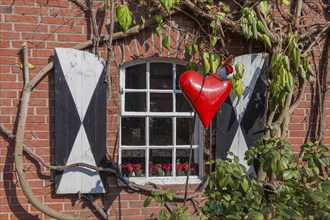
190, 156
107, 79
98, 208
18, 154
26, 63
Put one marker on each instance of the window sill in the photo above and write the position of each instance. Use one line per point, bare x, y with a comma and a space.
163, 180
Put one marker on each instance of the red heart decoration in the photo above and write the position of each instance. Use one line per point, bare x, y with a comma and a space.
204, 93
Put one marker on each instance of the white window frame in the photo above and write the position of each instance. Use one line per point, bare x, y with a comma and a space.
170, 180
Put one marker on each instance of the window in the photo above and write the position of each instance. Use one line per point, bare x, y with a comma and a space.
156, 124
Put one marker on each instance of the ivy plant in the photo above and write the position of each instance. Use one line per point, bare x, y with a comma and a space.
178, 213
292, 187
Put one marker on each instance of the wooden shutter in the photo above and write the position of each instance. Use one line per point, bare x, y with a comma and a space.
241, 122
80, 119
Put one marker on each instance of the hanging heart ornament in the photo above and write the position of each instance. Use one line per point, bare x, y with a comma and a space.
206, 93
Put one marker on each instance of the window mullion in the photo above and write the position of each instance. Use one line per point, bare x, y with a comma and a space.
147, 147
122, 89
148, 87
147, 119
174, 122
174, 87
174, 147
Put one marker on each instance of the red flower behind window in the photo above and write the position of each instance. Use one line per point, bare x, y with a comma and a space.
185, 166
130, 167
151, 168
137, 167
124, 166
158, 166
167, 166
178, 167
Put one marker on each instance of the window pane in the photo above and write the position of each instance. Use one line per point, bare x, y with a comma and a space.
132, 131
135, 102
160, 162
179, 70
160, 131
183, 131
182, 159
135, 77
161, 76
182, 105
133, 163
161, 102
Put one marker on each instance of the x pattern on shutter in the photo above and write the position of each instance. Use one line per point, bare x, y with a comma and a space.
241, 122
80, 119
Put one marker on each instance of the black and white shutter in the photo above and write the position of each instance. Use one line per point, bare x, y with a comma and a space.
241, 122
80, 119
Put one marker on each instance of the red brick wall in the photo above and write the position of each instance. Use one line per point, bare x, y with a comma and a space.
46, 24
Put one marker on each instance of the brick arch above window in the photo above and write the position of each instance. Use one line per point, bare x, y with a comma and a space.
156, 123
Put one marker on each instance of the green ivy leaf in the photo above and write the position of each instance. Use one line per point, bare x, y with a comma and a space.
326, 186
184, 208
157, 198
214, 41
318, 197
323, 161
158, 19
159, 31
224, 181
239, 67
167, 4
239, 88
302, 72
256, 215
254, 29
296, 58
233, 217
214, 61
206, 62
220, 15
166, 43
169, 196
188, 48
30, 66
324, 214
266, 39
147, 201
245, 185
274, 165
184, 216
192, 66
261, 28
263, 5
288, 174
286, 62
285, 2
213, 25
162, 214
174, 216
283, 164
195, 46
124, 17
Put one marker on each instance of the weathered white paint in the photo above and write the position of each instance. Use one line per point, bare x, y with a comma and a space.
253, 64
82, 71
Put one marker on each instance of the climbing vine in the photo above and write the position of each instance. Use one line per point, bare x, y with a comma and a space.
288, 39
